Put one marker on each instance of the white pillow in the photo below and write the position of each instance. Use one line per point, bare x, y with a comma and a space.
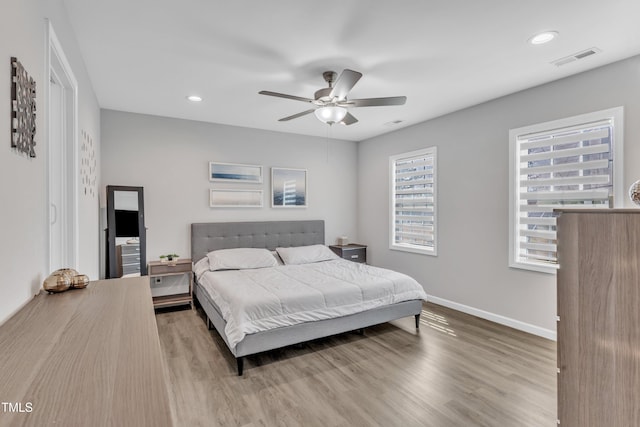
200, 267
240, 258
277, 257
306, 254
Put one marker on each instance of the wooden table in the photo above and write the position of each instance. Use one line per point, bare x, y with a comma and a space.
85, 357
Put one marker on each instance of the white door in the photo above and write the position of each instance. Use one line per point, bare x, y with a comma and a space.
63, 155
57, 250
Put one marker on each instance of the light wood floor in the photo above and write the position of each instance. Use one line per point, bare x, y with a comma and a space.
458, 370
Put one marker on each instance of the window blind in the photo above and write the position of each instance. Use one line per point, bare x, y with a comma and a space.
563, 168
413, 200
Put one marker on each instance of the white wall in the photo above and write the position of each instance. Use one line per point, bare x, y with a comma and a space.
24, 255
170, 159
470, 271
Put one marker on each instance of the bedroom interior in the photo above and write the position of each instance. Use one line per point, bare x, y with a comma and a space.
485, 351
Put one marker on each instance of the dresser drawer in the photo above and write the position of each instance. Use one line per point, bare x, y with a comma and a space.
131, 268
128, 259
130, 249
158, 268
131, 260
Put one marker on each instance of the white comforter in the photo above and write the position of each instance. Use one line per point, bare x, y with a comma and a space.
266, 298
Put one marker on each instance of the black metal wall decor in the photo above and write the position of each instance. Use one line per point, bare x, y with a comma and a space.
23, 110
88, 165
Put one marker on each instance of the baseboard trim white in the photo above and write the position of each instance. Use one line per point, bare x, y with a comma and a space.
507, 321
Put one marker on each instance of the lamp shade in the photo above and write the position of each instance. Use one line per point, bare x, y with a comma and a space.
330, 114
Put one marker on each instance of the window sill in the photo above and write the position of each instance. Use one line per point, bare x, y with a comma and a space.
540, 268
413, 249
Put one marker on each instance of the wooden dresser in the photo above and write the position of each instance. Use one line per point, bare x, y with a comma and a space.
86, 357
128, 259
599, 318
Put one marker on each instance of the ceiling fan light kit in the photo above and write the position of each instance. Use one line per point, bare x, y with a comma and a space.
330, 114
331, 102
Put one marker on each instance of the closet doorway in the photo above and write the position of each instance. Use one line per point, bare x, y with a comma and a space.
62, 113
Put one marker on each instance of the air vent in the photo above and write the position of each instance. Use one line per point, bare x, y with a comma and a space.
576, 56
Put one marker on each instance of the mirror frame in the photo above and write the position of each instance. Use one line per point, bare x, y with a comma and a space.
112, 265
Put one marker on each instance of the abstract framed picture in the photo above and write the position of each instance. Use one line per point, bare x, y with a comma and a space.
234, 172
227, 198
23, 110
288, 188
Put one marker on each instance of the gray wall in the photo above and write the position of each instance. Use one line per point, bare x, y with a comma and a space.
24, 254
470, 271
170, 159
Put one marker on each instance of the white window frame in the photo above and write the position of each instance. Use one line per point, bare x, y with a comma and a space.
425, 250
615, 116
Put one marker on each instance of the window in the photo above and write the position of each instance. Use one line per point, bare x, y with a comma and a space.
413, 217
569, 163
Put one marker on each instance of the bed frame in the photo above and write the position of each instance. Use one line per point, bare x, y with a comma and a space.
207, 237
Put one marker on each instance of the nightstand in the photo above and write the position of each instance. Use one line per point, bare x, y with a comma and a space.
352, 252
171, 284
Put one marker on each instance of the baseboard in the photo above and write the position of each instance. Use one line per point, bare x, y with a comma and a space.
512, 323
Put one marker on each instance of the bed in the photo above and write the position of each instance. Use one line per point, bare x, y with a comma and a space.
209, 237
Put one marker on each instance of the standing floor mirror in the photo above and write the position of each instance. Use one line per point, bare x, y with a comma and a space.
126, 232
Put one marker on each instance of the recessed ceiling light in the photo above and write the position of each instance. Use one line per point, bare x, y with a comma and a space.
194, 98
543, 38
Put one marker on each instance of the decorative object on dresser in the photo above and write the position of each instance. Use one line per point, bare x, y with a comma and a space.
79, 281
634, 192
171, 283
598, 317
352, 251
126, 232
65, 279
234, 172
23, 109
288, 188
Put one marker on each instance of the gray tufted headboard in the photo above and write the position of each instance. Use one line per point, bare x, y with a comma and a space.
211, 236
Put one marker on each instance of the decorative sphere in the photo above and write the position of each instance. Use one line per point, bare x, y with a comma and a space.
59, 280
79, 281
69, 271
634, 192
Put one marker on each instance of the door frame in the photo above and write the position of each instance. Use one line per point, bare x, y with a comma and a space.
58, 67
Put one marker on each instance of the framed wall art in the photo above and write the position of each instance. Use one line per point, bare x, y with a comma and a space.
234, 172
23, 110
229, 198
288, 188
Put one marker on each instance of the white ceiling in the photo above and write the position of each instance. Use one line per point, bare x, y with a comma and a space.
146, 56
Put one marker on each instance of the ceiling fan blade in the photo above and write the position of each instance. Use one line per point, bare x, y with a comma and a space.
295, 116
349, 120
346, 81
376, 102
284, 95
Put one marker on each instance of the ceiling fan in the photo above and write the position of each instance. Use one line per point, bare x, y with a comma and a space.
331, 102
